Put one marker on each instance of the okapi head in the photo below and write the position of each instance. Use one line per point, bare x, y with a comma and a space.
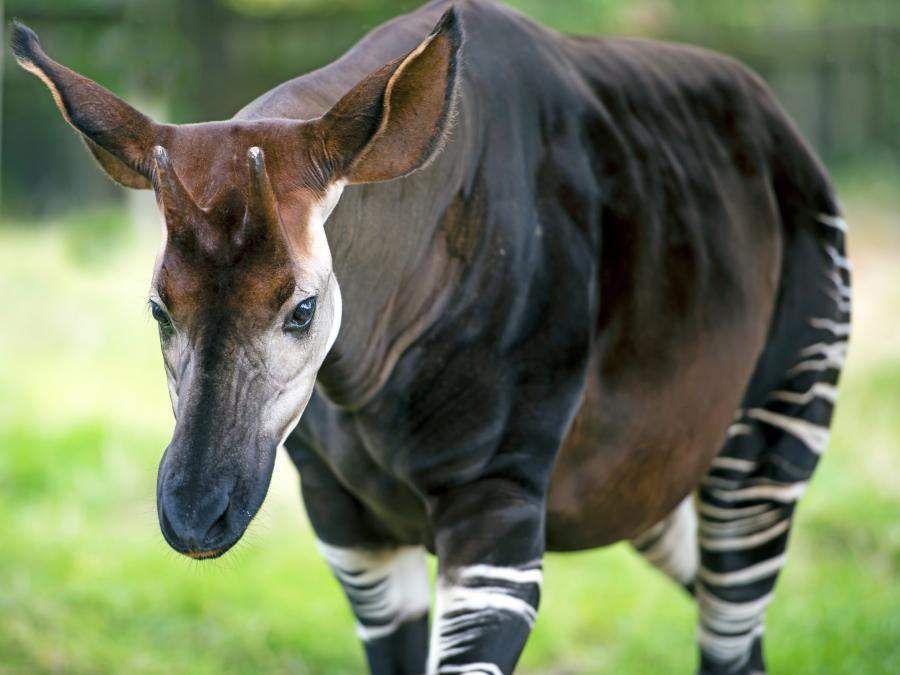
243, 289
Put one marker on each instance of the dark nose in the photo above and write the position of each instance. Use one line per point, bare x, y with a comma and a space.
197, 524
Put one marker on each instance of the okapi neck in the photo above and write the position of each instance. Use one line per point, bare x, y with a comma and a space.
394, 250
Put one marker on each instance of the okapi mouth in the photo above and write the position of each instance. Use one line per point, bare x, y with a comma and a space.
206, 555
205, 540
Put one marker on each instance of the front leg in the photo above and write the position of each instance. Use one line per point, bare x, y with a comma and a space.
490, 543
388, 592
385, 582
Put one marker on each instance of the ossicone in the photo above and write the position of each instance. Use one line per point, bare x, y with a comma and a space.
261, 202
181, 212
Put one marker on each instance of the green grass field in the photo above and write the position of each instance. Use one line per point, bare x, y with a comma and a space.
87, 584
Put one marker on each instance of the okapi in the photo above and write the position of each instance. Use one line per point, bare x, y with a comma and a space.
530, 292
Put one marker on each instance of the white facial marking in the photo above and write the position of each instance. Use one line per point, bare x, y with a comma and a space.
337, 304
319, 213
327, 321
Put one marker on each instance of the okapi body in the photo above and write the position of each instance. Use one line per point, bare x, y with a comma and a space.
570, 291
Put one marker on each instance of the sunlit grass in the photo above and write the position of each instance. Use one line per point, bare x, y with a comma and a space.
87, 584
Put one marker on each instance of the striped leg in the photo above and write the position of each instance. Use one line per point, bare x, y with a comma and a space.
746, 506
483, 614
671, 544
742, 551
389, 593
747, 500
385, 581
490, 542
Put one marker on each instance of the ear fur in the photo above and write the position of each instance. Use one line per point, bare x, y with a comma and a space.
395, 120
119, 136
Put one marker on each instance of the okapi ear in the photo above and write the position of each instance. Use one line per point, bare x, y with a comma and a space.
395, 120
119, 137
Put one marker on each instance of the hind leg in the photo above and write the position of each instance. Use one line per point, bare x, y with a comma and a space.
747, 503
747, 500
742, 551
671, 544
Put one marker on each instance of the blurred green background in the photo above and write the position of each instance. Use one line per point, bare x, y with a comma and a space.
87, 584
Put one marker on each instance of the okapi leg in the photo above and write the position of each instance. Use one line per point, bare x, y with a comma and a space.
388, 591
671, 544
385, 582
747, 500
490, 543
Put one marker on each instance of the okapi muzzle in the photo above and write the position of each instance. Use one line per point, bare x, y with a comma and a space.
243, 289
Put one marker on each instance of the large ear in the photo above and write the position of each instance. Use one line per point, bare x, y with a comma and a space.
395, 120
118, 135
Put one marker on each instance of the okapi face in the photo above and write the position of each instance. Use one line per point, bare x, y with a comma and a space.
247, 307
243, 289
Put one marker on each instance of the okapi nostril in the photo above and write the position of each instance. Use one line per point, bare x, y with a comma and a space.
193, 525
218, 528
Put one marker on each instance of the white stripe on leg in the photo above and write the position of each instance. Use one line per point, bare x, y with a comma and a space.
472, 669
470, 601
385, 587
674, 550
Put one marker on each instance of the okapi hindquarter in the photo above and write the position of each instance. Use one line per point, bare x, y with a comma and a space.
528, 291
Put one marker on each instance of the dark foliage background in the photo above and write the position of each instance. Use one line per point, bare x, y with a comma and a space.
833, 63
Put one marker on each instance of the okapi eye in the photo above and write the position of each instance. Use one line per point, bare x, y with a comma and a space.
302, 315
160, 315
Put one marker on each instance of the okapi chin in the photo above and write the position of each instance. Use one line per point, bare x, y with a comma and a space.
529, 292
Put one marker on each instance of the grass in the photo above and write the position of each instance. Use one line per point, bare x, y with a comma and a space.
87, 584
